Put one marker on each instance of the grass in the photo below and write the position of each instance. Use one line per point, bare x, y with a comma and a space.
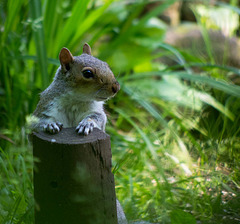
174, 132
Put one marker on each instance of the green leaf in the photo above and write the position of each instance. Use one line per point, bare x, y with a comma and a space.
181, 217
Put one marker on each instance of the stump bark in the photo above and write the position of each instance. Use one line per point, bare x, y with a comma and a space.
73, 182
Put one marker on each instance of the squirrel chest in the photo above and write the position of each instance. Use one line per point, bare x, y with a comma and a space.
69, 109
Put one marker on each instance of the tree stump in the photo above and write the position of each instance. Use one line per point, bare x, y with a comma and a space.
73, 182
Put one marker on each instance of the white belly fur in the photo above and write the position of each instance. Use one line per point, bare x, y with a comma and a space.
71, 112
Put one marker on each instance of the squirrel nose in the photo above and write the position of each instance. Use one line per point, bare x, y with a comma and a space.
115, 87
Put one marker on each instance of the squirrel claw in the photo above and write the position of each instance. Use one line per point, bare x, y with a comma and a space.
53, 128
85, 127
60, 125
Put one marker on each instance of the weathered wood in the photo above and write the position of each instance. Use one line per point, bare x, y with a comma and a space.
73, 182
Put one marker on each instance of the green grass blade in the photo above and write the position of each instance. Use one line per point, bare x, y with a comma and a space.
73, 24
206, 98
52, 20
150, 108
11, 22
216, 84
148, 142
35, 59
205, 36
36, 16
231, 89
203, 65
88, 22
178, 55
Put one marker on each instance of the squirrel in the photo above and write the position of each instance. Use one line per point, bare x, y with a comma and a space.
76, 96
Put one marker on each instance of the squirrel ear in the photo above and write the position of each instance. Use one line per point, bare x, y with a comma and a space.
87, 49
65, 58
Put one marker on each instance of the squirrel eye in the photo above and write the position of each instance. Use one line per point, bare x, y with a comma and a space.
88, 74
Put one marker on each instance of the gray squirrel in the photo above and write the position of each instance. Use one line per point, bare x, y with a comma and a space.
75, 98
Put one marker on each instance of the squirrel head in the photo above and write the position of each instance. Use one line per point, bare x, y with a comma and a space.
88, 75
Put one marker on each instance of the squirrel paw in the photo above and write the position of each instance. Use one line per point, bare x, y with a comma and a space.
53, 128
85, 126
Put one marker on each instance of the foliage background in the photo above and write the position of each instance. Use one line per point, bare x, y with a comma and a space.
174, 129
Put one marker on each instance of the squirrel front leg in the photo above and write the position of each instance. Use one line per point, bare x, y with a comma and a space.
44, 124
53, 127
94, 120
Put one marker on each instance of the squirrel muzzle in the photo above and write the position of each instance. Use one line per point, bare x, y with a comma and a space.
115, 87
